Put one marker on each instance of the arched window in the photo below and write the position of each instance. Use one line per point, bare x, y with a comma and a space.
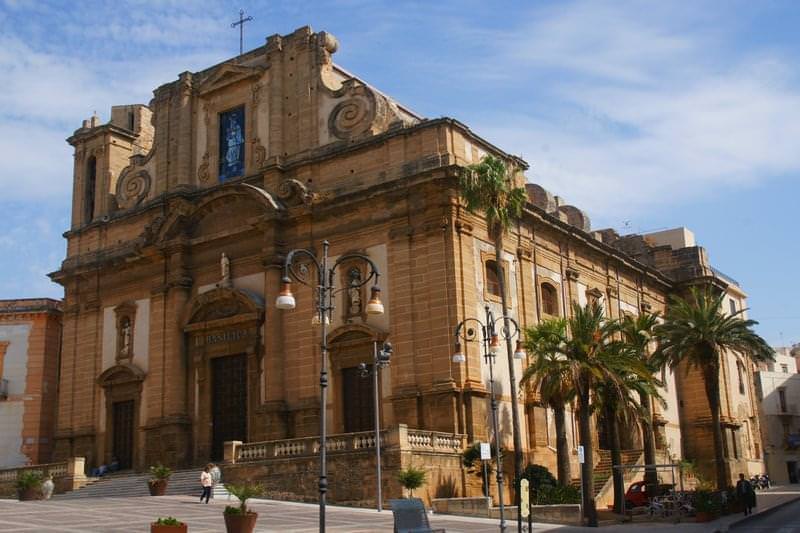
89, 192
492, 278
740, 371
549, 300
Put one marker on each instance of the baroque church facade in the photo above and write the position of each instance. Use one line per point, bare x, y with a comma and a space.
184, 210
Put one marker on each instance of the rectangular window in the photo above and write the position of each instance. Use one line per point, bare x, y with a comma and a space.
785, 369
231, 144
733, 307
782, 400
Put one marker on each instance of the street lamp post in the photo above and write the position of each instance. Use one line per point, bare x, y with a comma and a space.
380, 360
325, 297
491, 347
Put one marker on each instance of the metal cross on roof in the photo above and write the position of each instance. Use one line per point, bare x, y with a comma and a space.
240, 23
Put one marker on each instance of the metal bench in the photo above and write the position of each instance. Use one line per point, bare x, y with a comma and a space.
410, 517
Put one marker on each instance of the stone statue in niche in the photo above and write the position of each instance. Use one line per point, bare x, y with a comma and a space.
225, 270
125, 337
354, 304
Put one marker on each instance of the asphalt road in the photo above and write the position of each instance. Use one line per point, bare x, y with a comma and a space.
784, 520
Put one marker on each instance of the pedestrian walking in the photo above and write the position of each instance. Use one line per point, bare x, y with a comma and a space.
207, 483
746, 494
216, 477
47, 487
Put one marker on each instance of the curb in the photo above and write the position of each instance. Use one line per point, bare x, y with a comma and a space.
766, 512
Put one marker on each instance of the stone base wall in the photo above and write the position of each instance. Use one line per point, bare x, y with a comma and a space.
67, 476
351, 468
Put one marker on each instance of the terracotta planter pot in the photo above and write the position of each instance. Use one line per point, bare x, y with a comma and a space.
702, 516
155, 528
33, 493
238, 523
158, 488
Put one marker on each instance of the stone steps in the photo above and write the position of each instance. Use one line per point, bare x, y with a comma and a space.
131, 484
603, 468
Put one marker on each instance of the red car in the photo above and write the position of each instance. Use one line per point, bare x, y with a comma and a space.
637, 495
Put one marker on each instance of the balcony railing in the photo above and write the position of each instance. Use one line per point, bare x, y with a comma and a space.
3, 389
406, 439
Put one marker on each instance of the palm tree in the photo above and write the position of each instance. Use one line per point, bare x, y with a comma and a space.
488, 187
592, 355
697, 332
619, 401
549, 374
638, 334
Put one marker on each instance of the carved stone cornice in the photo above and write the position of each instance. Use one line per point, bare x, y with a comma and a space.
572, 274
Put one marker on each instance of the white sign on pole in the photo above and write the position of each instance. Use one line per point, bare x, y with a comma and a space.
524, 498
486, 451
581, 458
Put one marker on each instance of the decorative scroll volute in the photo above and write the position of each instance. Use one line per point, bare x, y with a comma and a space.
132, 188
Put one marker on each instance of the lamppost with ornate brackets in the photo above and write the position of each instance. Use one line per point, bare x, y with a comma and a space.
326, 291
490, 340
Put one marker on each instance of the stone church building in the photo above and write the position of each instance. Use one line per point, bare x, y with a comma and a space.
183, 212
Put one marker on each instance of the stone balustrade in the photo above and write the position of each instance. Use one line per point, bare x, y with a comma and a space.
398, 437
55, 470
67, 475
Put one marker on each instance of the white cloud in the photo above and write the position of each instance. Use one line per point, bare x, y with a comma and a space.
639, 109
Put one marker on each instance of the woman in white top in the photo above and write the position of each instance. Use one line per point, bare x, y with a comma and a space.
207, 483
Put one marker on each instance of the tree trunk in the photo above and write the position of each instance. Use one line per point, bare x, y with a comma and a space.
587, 468
512, 375
562, 446
649, 444
711, 379
616, 456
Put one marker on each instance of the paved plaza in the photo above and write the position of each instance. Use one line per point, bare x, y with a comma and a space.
117, 515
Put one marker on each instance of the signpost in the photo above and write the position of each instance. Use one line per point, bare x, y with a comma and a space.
486, 456
581, 460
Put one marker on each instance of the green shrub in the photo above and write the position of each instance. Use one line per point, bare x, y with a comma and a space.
168, 521
411, 478
242, 493
706, 501
539, 477
159, 472
29, 479
557, 495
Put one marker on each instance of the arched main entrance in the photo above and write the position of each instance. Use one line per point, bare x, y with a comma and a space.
122, 385
223, 340
353, 398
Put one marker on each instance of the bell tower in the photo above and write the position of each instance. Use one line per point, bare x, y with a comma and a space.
101, 152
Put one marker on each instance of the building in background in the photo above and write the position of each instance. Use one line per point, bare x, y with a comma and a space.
778, 388
30, 337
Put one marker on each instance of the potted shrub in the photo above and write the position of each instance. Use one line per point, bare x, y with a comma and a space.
705, 505
411, 478
168, 525
159, 478
29, 485
241, 519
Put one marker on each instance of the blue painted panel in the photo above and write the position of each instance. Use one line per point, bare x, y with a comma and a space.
231, 144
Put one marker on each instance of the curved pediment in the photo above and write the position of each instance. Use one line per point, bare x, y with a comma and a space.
214, 211
222, 303
121, 373
355, 333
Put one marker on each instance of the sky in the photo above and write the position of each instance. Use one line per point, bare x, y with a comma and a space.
647, 115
